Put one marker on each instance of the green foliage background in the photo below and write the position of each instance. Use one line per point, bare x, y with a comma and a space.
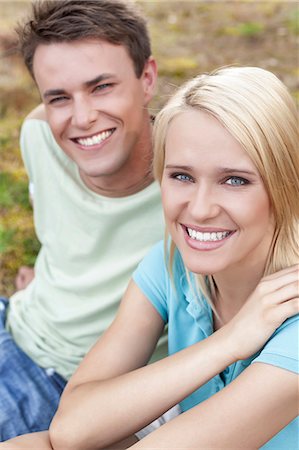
188, 37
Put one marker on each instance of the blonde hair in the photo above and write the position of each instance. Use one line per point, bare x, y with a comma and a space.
258, 111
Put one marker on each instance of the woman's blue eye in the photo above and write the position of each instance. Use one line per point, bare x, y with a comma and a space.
181, 177
236, 181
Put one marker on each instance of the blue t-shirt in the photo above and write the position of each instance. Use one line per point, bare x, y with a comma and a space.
190, 320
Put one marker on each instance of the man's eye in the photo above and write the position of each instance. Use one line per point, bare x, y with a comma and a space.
57, 100
236, 181
102, 87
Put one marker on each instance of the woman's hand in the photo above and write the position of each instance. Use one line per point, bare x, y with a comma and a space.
275, 299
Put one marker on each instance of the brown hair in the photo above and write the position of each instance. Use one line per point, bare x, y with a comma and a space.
113, 21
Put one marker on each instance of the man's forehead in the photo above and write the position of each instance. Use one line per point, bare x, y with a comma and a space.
85, 45
90, 61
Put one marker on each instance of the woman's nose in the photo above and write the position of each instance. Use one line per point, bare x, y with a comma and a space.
204, 203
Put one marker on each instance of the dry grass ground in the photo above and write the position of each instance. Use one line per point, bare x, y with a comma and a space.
188, 37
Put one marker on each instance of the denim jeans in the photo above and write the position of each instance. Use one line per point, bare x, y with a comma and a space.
29, 394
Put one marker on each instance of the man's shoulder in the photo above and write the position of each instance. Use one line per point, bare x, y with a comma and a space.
37, 113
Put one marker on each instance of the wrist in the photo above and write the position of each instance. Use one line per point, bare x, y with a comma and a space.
227, 347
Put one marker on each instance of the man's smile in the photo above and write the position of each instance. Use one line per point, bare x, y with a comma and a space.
95, 139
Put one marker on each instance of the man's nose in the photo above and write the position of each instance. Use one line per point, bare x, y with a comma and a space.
83, 114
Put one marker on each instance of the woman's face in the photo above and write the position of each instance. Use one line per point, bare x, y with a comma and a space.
216, 206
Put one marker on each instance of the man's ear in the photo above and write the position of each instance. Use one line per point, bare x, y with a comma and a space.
149, 78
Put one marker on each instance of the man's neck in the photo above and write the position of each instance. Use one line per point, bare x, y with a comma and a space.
116, 190
134, 176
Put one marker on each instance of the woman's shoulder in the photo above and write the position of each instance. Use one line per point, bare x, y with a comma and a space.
154, 277
151, 278
153, 265
158, 259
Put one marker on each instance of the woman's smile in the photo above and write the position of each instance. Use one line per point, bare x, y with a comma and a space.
205, 239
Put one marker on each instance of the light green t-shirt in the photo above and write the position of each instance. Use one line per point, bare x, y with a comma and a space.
90, 246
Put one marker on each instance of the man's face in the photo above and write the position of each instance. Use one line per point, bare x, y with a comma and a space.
95, 105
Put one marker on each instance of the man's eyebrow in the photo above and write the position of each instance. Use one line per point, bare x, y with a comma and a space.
53, 92
98, 79
89, 83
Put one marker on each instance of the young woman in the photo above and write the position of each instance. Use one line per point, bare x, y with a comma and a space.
224, 280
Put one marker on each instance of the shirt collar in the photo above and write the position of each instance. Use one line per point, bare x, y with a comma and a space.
197, 305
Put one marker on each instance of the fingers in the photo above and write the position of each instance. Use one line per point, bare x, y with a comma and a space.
287, 309
277, 282
286, 292
280, 273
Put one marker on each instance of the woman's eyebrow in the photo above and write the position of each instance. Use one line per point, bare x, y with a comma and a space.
178, 166
235, 169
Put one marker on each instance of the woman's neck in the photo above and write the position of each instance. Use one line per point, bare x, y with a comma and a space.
233, 287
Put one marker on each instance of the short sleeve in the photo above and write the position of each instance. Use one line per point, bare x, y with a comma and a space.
152, 278
35, 137
282, 348
25, 135
40, 150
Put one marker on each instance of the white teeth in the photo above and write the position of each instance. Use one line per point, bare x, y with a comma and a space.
96, 139
207, 237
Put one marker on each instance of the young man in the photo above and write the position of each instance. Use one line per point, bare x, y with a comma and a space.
96, 207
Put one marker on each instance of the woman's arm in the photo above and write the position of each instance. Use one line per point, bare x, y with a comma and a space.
260, 402
90, 399
108, 400
245, 414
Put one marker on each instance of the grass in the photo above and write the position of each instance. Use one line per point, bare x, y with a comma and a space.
188, 37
